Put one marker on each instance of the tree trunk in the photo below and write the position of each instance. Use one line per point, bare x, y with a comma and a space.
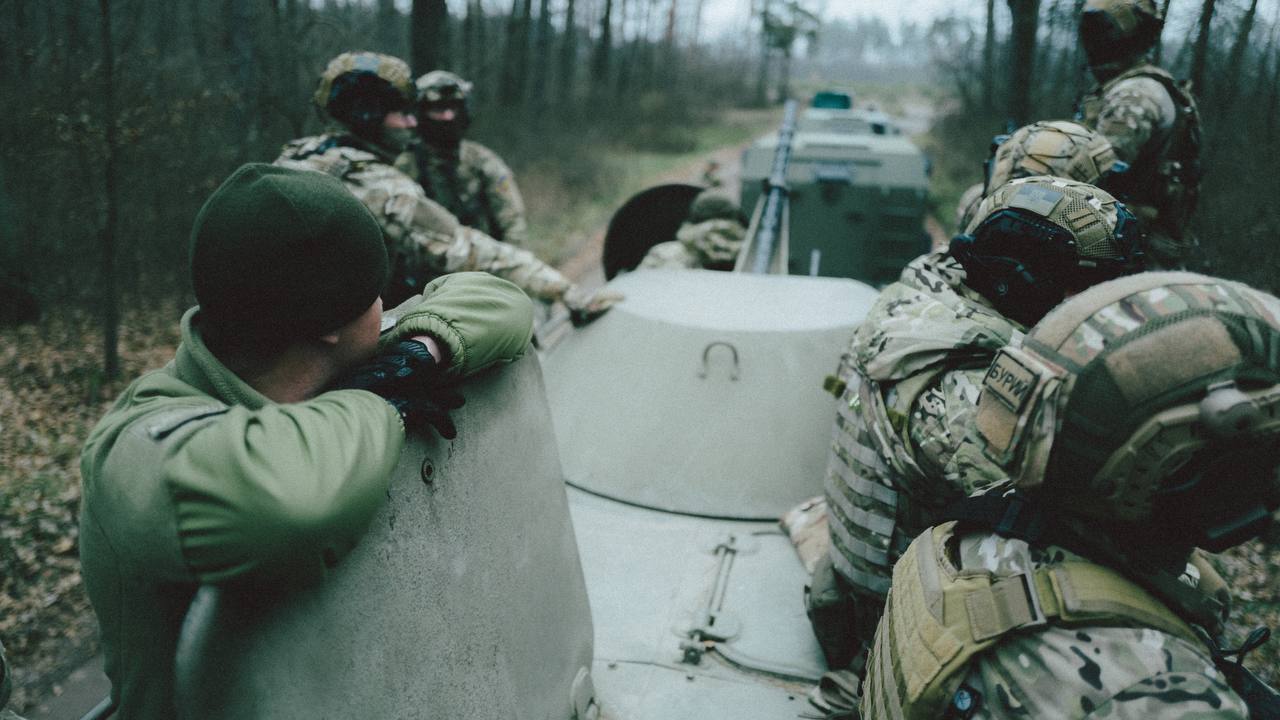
568, 59
603, 51
989, 58
1158, 51
389, 24
107, 231
428, 36
1236, 60
762, 75
540, 90
1026, 15
1200, 53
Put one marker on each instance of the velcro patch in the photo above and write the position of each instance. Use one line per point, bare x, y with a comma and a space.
1038, 199
1010, 381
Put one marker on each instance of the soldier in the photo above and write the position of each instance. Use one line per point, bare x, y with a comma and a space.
465, 177
260, 453
710, 238
909, 383
1135, 422
1150, 119
1060, 148
370, 96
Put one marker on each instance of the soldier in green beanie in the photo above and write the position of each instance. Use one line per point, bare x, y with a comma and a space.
259, 454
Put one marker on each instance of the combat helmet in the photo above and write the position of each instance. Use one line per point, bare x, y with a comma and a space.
1035, 241
437, 89
713, 205
359, 89
1151, 401
442, 85
1117, 33
1060, 148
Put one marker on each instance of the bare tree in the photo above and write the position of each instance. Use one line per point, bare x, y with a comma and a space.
1235, 62
541, 71
989, 57
602, 55
1200, 52
1159, 48
111, 209
568, 58
429, 35
1026, 15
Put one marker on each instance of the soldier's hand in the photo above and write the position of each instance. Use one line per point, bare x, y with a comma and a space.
585, 306
404, 375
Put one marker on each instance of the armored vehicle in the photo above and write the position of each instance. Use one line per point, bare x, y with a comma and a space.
858, 194
601, 540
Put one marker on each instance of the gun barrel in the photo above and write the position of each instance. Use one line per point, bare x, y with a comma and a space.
770, 226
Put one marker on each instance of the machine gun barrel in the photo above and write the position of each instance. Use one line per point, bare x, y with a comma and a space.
770, 225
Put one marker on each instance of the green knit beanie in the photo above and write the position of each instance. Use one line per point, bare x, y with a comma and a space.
280, 254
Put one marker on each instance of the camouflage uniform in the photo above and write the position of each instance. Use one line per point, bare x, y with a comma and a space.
1061, 671
1154, 125
912, 372
1059, 148
910, 380
711, 237
712, 244
474, 184
908, 387
423, 239
1115, 400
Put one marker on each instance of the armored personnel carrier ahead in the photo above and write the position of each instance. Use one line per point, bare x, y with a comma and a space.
858, 192
654, 584
689, 419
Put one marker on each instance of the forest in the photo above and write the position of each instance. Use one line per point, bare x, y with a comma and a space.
123, 115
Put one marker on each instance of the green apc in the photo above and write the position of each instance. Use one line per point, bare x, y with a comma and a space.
601, 540
859, 192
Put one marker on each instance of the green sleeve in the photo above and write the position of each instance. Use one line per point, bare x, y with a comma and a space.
282, 490
482, 318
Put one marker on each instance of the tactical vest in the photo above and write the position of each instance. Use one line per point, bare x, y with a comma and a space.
440, 175
872, 518
940, 617
871, 521
1165, 177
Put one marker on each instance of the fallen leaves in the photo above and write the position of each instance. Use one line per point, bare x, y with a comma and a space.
51, 394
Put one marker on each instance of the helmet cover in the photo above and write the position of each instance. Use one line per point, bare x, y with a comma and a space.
1060, 148
1151, 400
1035, 240
359, 89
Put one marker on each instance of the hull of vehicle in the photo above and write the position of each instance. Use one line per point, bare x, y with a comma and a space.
465, 599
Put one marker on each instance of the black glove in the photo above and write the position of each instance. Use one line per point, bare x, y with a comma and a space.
403, 375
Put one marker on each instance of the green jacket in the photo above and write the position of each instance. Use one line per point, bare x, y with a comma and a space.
194, 478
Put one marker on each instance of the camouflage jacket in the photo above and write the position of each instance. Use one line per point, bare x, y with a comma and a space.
424, 240
913, 373
474, 184
1153, 124
1089, 672
712, 244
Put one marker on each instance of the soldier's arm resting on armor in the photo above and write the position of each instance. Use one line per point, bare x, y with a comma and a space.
479, 319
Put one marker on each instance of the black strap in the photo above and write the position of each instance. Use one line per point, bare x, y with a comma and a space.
1006, 515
